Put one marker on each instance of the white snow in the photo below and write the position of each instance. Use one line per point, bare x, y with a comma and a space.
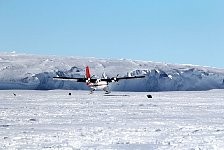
123, 120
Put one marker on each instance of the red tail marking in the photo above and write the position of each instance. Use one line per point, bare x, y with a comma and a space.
87, 72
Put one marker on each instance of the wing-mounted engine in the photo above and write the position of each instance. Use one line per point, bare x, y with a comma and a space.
115, 79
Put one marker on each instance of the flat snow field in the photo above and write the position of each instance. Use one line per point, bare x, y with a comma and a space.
121, 120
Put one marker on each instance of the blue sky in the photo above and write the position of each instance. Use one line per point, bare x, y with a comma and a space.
171, 31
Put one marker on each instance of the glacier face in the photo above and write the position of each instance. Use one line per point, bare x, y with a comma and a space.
23, 71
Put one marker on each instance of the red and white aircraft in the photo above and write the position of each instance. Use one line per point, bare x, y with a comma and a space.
97, 83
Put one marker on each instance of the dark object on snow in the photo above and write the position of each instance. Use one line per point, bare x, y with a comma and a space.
149, 96
33, 120
69, 93
14, 94
4, 125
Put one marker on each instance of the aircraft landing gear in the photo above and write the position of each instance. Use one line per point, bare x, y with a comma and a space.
108, 92
91, 92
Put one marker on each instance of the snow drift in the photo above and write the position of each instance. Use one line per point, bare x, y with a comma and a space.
23, 71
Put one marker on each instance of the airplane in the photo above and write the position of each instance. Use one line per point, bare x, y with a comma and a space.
93, 83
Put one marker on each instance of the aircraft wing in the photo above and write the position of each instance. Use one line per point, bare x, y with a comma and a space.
116, 79
75, 79
133, 77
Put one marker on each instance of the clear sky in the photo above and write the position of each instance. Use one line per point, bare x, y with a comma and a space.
171, 31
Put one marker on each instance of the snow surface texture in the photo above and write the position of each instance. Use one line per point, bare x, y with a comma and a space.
22, 71
50, 120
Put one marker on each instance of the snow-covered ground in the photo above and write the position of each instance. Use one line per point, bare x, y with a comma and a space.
122, 120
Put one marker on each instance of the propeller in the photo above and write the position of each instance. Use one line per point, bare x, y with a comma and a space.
114, 79
88, 79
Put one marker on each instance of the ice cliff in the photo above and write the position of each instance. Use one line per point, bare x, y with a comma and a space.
23, 71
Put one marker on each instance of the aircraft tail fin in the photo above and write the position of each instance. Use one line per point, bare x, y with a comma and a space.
87, 72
